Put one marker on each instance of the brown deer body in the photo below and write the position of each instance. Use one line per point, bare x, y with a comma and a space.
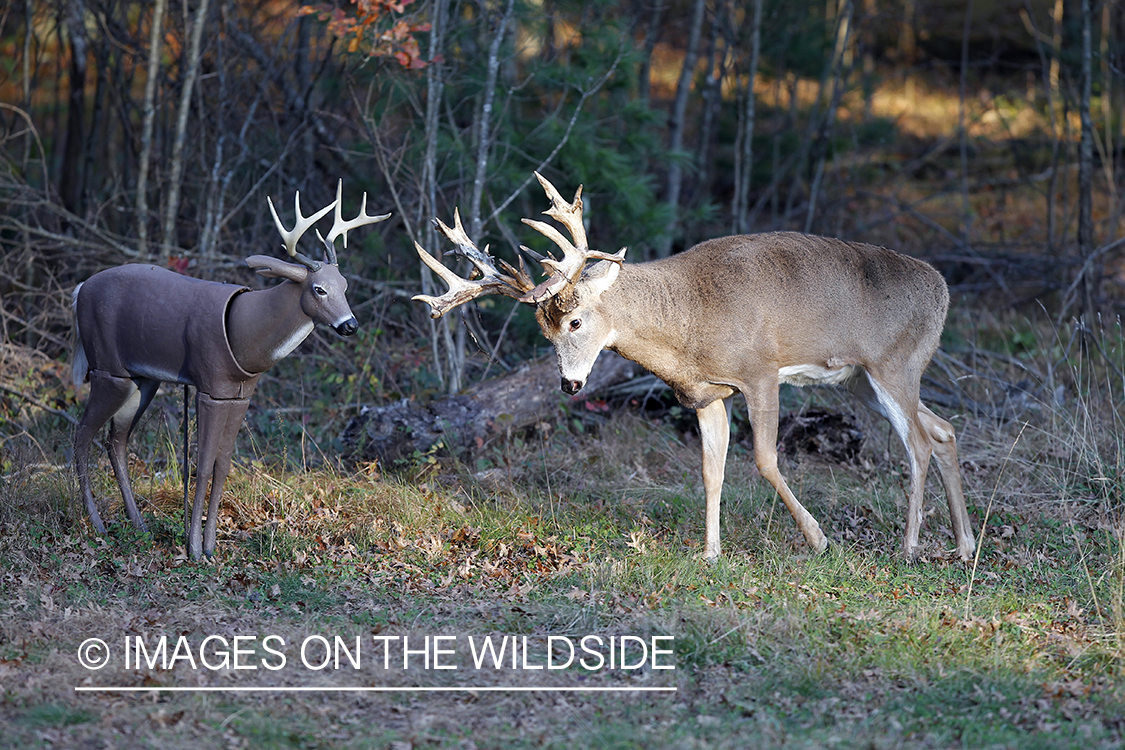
743, 314
141, 325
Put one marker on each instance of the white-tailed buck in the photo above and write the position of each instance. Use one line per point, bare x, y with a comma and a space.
741, 315
140, 325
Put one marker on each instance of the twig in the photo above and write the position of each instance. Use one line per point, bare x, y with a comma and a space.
562, 141
35, 134
1068, 297
36, 402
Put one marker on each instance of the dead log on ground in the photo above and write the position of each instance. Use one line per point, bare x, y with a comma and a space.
478, 415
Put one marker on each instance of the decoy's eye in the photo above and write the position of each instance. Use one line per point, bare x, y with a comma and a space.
320, 291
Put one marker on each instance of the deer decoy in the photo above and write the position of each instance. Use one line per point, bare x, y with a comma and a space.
743, 314
140, 325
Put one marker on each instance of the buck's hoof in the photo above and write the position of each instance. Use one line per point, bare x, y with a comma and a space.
818, 546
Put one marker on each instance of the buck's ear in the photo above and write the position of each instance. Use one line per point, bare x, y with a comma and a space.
273, 268
600, 276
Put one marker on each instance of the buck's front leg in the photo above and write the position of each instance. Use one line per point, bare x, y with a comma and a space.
714, 433
219, 422
763, 406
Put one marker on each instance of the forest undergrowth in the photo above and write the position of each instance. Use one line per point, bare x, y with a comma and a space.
591, 524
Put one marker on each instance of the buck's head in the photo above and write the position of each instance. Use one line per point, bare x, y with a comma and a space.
578, 324
323, 287
568, 304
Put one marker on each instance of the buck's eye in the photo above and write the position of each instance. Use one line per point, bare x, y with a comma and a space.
575, 324
320, 291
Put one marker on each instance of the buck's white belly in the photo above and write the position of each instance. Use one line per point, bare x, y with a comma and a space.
803, 375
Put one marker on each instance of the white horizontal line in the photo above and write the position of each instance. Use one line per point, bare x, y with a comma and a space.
362, 689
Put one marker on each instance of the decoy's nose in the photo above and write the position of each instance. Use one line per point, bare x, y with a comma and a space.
348, 327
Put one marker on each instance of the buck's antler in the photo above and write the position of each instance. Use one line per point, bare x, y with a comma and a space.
516, 282
566, 272
513, 282
291, 236
340, 228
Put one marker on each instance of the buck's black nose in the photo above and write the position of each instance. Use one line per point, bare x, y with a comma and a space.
572, 386
348, 327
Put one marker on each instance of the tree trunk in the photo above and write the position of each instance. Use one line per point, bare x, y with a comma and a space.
484, 124
908, 48
441, 339
1058, 123
718, 47
146, 133
678, 123
1086, 169
25, 104
962, 128
823, 141
70, 177
1108, 152
96, 151
744, 151
652, 32
172, 206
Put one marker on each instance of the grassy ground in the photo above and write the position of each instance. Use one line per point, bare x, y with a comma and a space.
592, 526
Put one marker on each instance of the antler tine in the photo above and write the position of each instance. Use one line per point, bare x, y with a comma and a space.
522, 277
291, 236
463, 290
575, 255
465, 247
460, 290
341, 227
567, 214
570, 216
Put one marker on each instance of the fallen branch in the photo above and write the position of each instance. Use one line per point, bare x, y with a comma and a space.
475, 417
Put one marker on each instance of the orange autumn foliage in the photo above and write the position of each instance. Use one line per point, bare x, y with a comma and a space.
368, 31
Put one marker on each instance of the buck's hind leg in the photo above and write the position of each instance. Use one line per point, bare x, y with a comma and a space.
121, 426
899, 405
107, 396
944, 443
762, 402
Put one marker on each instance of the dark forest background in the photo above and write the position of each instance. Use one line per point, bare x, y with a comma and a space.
985, 136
